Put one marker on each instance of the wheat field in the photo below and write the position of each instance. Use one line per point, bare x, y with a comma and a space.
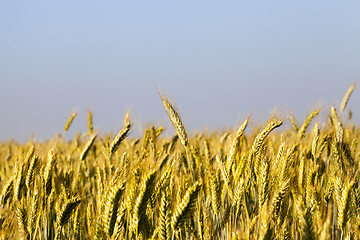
258, 182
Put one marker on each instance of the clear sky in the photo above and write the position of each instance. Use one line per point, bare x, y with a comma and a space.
222, 60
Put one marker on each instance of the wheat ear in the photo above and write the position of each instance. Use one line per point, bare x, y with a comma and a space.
22, 220
66, 213
344, 206
119, 137
235, 144
175, 119
185, 209
48, 171
87, 147
69, 121
139, 211
31, 171
346, 97
165, 217
302, 129
259, 139
90, 122
111, 208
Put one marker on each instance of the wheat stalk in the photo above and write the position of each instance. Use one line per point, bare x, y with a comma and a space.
119, 137
344, 206
111, 208
87, 147
139, 212
69, 121
165, 216
90, 122
48, 171
235, 143
302, 129
65, 214
185, 208
175, 119
346, 97
259, 139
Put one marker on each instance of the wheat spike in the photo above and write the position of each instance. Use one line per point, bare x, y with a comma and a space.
77, 225
7, 192
263, 182
111, 208
279, 197
175, 119
238, 196
48, 171
67, 210
139, 211
344, 206
259, 139
69, 121
346, 97
302, 129
294, 124
33, 214
315, 140
22, 221
90, 122
165, 216
160, 184
65, 214
87, 147
31, 171
119, 137
20, 182
235, 143
215, 193
185, 209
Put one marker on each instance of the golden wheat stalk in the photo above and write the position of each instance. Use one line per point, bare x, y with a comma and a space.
302, 129
111, 209
263, 182
259, 139
339, 130
225, 176
215, 192
90, 122
31, 172
22, 220
77, 225
294, 123
87, 147
65, 214
186, 207
165, 216
33, 214
346, 97
344, 206
7, 192
235, 144
49, 171
20, 182
69, 121
160, 184
120, 136
315, 141
139, 211
278, 199
175, 119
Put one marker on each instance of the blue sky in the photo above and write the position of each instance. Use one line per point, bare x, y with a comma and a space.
222, 60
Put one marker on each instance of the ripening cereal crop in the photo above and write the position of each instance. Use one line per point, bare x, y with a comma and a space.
267, 182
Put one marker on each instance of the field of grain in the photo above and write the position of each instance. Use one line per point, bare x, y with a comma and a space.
249, 183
